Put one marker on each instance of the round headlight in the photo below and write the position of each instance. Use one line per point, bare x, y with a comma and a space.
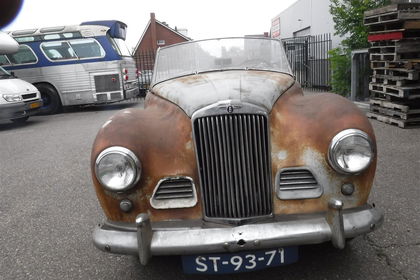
117, 168
350, 151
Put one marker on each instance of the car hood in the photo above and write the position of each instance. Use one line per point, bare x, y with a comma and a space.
192, 93
15, 86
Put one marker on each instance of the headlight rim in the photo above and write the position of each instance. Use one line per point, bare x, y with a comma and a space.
125, 152
340, 137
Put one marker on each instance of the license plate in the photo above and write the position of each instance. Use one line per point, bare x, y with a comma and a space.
34, 105
239, 262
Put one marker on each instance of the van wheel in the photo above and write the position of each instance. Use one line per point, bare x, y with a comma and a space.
20, 120
51, 100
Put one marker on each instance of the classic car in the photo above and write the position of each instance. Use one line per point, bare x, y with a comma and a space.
230, 165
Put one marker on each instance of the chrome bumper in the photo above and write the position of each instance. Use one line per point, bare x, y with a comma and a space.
335, 225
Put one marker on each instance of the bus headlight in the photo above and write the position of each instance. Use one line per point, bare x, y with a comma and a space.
350, 151
117, 168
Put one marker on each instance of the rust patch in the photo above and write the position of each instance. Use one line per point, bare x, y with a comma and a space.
161, 137
301, 129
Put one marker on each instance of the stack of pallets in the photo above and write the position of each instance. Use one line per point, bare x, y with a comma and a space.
394, 35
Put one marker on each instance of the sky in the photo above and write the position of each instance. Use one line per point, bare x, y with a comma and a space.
203, 18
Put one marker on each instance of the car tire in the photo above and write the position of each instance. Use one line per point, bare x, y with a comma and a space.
20, 120
51, 100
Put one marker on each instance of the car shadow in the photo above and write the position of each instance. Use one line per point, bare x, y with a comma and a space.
9, 125
134, 102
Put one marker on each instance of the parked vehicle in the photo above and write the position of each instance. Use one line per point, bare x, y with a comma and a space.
230, 165
75, 65
145, 78
18, 99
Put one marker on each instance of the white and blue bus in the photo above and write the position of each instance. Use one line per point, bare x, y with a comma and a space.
75, 65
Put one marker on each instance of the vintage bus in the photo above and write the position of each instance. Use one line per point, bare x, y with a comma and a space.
75, 65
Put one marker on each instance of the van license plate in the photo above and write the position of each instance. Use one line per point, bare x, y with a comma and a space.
239, 262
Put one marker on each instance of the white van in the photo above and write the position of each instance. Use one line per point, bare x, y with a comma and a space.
18, 99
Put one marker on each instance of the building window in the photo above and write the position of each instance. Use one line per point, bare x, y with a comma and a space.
161, 42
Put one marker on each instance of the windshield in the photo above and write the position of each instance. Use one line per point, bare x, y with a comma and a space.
4, 74
120, 46
220, 54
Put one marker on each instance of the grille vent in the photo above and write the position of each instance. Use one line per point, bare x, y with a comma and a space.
297, 183
105, 83
115, 96
177, 192
28, 96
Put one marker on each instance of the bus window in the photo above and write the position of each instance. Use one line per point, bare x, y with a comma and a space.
87, 48
58, 51
52, 37
25, 55
4, 60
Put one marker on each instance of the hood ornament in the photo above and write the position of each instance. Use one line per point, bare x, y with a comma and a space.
229, 107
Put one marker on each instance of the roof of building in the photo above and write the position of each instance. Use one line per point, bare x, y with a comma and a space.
163, 25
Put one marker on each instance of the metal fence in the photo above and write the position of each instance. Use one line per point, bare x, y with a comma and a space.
309, 60
145, 62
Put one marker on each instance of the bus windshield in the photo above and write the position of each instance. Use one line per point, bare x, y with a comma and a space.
220, 54
120, 46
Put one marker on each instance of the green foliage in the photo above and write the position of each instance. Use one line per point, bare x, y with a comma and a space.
348, 19
340, 60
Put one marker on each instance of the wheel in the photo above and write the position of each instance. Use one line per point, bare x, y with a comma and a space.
20, 120
51, 100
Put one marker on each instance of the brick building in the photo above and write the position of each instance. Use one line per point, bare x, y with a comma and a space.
158, 34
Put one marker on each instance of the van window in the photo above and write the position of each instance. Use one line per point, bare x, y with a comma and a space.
24, 55
4, 60
58, 51
87, 48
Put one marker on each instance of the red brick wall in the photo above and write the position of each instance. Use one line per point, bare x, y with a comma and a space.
162, 33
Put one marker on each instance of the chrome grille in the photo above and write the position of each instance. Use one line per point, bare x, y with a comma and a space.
104, 83
232, 153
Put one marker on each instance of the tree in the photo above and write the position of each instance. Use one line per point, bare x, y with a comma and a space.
348, 21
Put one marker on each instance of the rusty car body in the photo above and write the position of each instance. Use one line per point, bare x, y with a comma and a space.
229, 156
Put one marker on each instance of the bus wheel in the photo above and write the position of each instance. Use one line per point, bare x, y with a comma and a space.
20, 120
51, 100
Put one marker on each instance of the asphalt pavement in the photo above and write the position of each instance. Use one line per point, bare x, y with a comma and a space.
48, 209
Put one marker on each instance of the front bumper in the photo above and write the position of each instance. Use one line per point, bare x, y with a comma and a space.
18, 110
143, 239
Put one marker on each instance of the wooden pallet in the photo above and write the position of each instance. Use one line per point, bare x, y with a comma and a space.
392, 13
390, 105
390, 81
395, 46
394, 26
394, 35
392, 56
413, 114
397, 73
415, 122
406, 64
412, 92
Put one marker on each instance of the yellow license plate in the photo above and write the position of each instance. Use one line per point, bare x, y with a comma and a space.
34, 105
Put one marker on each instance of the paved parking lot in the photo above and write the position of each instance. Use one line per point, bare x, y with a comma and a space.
48, 209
